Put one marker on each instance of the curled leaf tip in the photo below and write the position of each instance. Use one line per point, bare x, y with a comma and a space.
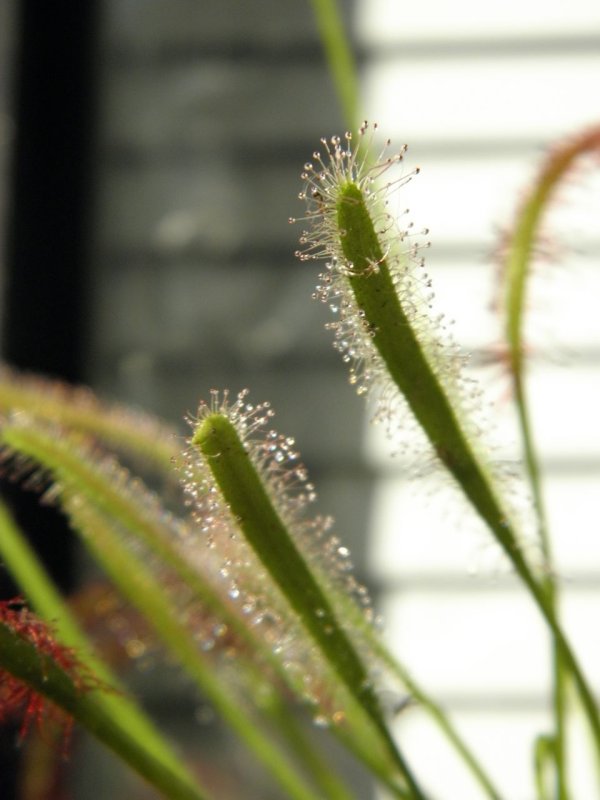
522, 244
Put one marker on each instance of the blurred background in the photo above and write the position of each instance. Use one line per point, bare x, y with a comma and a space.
150, 154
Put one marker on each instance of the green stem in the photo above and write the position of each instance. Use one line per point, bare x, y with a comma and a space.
268, 536
339, 55
559, 668
544, 755
410, 369
520, 253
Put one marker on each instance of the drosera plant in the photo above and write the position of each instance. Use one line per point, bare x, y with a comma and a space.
253, 596
399, 353
235, 578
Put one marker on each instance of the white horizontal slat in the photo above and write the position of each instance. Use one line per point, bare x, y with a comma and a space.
380, 21
566, 404
439, 99
485, 641
572, 503
460, 199
561, 314
469, 643
414, 534
503, 742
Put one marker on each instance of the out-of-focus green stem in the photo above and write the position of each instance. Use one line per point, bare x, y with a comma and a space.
138, 434
560, 671
339, 55
544, 757
519, 257
141, 588
354, 614
323, 776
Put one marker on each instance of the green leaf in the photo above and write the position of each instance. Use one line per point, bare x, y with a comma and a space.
141, 435
258, 519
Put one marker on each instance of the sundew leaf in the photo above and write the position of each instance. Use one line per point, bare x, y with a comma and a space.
48, 670
20, 700
294, 658
383, 330
77, 467
519, 249
32, 451
37, 452
385, 333
518, 257
261, 511
76, 407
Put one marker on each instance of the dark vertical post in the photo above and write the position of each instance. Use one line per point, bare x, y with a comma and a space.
43, 319
48, 213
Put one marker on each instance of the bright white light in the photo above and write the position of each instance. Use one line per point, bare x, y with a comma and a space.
477, 121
